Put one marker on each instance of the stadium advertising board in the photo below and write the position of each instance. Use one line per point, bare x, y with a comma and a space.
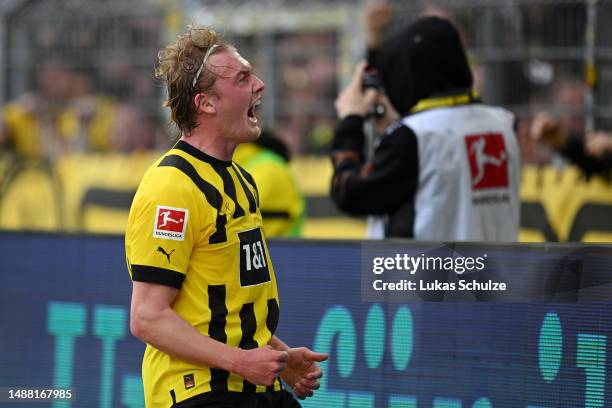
64, 308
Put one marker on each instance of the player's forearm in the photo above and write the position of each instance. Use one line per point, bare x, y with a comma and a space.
168, 332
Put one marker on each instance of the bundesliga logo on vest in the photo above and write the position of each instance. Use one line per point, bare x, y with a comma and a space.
488, 160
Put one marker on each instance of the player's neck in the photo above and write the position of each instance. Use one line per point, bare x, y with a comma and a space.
212, 144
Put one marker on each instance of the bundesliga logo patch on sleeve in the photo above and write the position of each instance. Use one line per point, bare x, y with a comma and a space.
170, 223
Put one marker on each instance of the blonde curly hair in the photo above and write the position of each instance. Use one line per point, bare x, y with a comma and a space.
178, 65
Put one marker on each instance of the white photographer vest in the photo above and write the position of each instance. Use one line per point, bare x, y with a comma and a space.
469, 173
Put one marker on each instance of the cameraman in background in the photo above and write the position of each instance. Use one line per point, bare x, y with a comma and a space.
447, 166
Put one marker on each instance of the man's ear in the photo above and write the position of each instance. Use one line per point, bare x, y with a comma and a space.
205, 103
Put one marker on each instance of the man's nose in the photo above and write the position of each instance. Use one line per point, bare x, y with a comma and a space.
259, 85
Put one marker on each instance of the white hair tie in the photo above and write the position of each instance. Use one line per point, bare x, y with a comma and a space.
199, 71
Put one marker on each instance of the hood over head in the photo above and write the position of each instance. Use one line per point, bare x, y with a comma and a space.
423, 60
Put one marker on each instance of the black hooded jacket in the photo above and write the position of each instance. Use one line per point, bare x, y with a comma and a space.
424, 60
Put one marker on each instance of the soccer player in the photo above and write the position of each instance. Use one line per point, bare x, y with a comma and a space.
204, 293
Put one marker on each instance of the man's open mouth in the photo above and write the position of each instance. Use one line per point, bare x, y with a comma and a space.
251, 111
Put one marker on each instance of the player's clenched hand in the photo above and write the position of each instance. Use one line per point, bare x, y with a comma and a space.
261, 366
302, 372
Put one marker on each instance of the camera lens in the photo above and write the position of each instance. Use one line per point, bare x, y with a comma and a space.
371, 80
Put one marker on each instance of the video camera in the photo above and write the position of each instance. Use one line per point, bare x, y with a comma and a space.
371, 79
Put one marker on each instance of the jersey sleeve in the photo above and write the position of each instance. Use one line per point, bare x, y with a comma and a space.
163, 227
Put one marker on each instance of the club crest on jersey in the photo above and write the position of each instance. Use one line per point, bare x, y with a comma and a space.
488, 160
170, 223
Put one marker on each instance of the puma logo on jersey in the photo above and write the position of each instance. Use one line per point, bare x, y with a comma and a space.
163, 251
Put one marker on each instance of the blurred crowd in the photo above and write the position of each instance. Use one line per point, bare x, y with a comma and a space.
65, 113
91, 88
90, 91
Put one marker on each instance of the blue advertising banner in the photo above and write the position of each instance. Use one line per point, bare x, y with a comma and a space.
64, 313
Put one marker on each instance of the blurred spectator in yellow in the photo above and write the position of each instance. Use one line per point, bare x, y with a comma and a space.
29, 124
62, 115
280, 199
29, 127
569, 100
566, 99
564, 130
52, 189
132, 131
87, 122
592, 154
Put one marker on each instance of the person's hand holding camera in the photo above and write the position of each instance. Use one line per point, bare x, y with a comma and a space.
354, 100
390, 115
363, 99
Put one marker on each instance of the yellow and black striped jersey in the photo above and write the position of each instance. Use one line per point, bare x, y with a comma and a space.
195, 225
282, 204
